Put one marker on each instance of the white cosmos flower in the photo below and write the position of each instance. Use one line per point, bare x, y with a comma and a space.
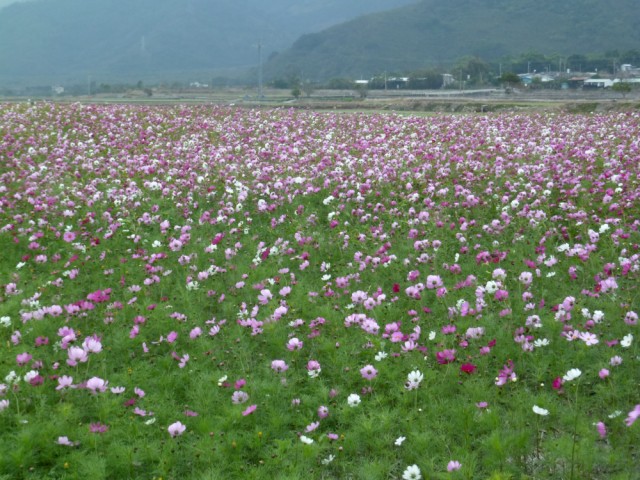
412, 472
626, 341
380, 356
491, 287
540, 411
328, 460
572, 375
399, 441
306, 440
415, 377
541, 342
353, 400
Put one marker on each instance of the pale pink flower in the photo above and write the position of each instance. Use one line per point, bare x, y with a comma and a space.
65, 441
453, 465
311, 427
64, 382
92, 344
279, 366
176, 429
96, 385
239, 397
294, 344
76, 355
368, 372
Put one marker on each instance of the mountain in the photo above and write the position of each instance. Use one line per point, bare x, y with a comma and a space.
61, 40
435, 32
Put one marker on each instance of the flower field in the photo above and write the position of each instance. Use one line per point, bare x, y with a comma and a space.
207, 292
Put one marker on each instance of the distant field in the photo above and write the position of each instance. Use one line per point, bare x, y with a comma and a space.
207, 291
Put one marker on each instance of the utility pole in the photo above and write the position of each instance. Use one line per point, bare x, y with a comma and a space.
260, 94
89, 85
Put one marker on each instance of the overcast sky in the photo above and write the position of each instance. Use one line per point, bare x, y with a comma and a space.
4, 3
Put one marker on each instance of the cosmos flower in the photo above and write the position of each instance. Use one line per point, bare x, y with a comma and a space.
572, 375
353, 400
176, 429
412, 472
540, 411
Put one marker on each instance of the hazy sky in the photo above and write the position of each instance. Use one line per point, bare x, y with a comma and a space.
4, 3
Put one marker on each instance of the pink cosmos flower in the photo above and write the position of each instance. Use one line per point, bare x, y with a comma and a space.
98, 428
64, 382
434, 281
183, 360
311, 427
239, 397
453, 465
76, 355
279, 366
446, 356
506, 374
468, 368
95, 385
602, 429
65, 441
176, 429
23, 358
633, 416
92, 344
603, 373
323, 412
294, 344
249, 410
368, 372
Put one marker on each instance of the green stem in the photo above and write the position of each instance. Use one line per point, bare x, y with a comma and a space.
575, 434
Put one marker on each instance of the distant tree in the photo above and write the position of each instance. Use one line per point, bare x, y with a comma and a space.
362, 90
308, 88
510, 80
621, 87
425, 79
474, 69
340, 84
536, 83
280, 83
296, 92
